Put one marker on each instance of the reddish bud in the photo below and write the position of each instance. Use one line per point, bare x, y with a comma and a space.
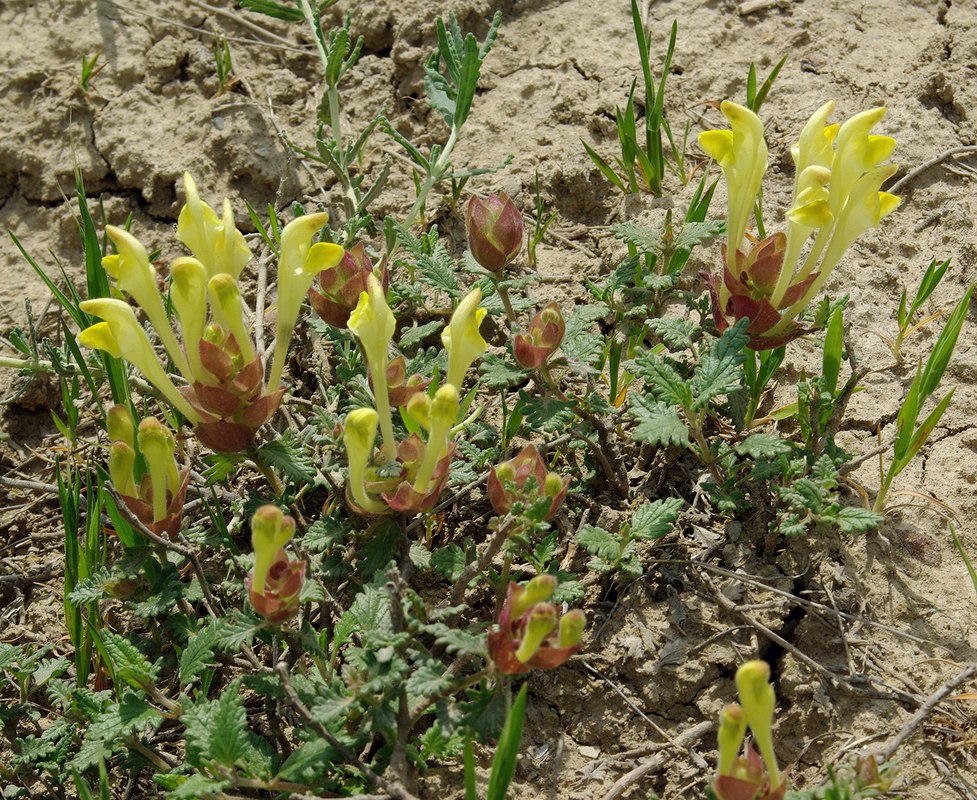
339, 287
280, 600
494, 228
546, 331
509, 483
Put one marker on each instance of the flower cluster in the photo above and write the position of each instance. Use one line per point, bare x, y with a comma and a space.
423, 463
157, 498
531, 633
744, 777
837, 197
525, 479
275, 583
225, 398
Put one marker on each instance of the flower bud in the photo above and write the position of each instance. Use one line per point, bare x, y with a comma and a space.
340, 286
283, 586
156, 443
758, 700
571, 628
494, 227
538, 590
542, 620
122, 458
508, 483
120, 425
461, 337
732, 729
270, 532
546, 331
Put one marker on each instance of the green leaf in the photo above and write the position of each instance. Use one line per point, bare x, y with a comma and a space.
937, 363
659, 424
499, 373
449, 561
599, 542
289, 456
428, 680
198, 655
192, 788
135, 713
504, 762
547, 414
719, 370
420, 556
234, 630
653, 520
831, 360
228, 742
416, 334
130, 664
306, 763
675, 332
763, 446
663, 380
852, 519
456, 640
271, 9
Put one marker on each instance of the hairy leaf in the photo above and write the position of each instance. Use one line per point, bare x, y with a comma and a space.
659, 424
653, 520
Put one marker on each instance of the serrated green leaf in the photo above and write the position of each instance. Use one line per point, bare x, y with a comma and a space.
653, 520
764, 445
675, 332
599, 542
662, 380
130, 664
289, 456
308, 762
427, 680
410, 337
449, 561
420, 556
192, 788
228, 734
456, 640
198, 655
547, 414
719, 371
852, 519
659, 424
91, 589
498, 373
135, 713
234, 630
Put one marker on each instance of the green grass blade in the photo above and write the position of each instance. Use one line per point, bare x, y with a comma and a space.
504, 763
937, 363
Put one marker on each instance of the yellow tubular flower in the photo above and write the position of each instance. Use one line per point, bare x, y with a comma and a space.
758, 700
270, 532
857, 153
122, 459
461, 338
218, 244
299, 263
542, 620
156, 443
373, 323
732, 729
742, 154
188, 293
137, 278
444, 412
538, 590
359, 434
225, 302
121, 336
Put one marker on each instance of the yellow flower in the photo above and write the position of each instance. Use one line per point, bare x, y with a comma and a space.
443, 413
461, 338
270, 532
156, 443
359, 434
137, 278
188, 293
300, 261
228, 311
757, 699
121, 336
217, 243
742, 154
374, 324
